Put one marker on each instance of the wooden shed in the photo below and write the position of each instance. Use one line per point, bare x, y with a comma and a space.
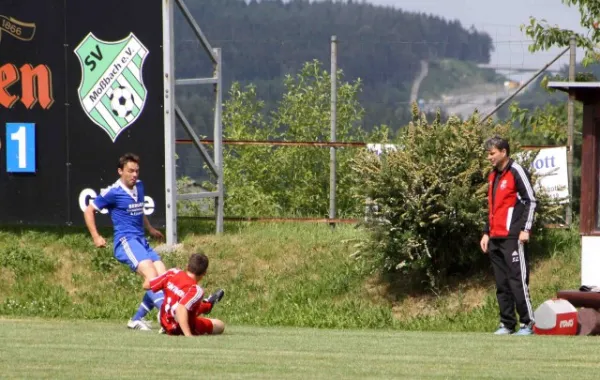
588, 93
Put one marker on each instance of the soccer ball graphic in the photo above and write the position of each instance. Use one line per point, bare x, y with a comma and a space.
121, 102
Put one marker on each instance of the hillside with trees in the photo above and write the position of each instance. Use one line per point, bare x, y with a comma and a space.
264, 41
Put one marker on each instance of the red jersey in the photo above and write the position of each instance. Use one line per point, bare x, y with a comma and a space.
179, 289
511, 202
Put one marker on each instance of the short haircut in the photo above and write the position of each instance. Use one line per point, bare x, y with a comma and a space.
498, 143
128, 157
198, 264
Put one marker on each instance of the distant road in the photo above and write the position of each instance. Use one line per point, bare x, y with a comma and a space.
414, 92
516, 68
463, 102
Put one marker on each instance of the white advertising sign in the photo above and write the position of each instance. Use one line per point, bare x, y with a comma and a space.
550, 165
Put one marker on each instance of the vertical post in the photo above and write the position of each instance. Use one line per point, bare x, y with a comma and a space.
218, 138
169, 115
332, 155
570, 128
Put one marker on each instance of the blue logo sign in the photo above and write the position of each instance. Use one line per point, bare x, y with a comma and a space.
20, 147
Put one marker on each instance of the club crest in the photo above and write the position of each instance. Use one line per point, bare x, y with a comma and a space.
112, 91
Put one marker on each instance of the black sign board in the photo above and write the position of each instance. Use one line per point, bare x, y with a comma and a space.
80, 85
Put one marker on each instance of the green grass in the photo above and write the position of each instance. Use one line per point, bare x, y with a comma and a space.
99, 350
295, 275
300, 275
555, 263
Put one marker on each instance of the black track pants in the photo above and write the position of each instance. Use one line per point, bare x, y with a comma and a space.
511, 270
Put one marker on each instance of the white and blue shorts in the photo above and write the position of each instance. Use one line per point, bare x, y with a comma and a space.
132, 251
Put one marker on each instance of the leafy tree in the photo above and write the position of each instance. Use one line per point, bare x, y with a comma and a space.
547, 126
549, 121
545, 36
270, 181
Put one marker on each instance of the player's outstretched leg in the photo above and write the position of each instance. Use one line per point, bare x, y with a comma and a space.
150, 301
208, 326
218, 326
138, 322
146, 268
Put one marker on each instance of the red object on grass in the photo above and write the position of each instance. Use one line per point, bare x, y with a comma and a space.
555, 317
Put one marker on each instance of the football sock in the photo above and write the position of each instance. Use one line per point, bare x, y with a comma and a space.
205, 307
145, 307
157, 298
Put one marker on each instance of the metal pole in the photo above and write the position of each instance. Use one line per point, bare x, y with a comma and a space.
196, 29
537, 74
332, 155
195, 140
570, 128
218, 146
169, 115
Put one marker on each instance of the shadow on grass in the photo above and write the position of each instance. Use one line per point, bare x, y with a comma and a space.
479, 274
418, 285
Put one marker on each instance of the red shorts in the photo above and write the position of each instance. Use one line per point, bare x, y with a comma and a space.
200, 326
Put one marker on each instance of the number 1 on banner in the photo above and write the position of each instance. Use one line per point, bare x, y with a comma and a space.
20, 137
20, 147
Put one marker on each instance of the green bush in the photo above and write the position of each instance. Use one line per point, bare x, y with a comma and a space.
431, 197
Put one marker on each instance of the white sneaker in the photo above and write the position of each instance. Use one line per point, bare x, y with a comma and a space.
138, 325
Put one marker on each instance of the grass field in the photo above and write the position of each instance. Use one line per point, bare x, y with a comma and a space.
102, 350
286, 275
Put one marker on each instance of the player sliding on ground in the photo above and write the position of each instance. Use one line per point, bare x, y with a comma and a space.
124, 201
183, 304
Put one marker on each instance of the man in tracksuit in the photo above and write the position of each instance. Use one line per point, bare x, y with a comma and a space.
511, 203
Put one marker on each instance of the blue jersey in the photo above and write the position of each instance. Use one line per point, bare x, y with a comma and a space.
126, 209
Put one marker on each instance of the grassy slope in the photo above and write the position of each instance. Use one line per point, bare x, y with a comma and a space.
287, 275
448, 75
100, 350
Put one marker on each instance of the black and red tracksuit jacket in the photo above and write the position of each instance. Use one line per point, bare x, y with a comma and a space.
511, 202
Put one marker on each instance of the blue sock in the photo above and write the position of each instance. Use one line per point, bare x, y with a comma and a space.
157, 298
145, 307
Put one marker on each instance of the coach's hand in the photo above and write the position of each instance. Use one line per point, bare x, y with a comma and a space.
484, 243
99, 241
524, 236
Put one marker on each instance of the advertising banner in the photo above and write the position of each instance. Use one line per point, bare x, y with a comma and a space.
80, 85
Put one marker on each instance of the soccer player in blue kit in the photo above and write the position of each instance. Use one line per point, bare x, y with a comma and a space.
124, 201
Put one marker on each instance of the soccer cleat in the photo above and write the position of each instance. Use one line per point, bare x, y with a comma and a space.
503, 331
215, 297
524, 330
138, 325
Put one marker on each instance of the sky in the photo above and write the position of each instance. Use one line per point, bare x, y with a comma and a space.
501, 20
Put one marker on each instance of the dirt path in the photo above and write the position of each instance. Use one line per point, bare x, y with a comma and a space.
414, 92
